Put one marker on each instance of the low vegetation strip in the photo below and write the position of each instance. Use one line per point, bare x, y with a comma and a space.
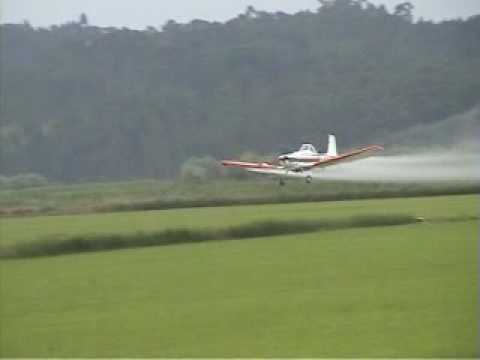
104, 242
162, 195
399, 192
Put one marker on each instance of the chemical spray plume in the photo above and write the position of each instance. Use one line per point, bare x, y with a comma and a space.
417, 167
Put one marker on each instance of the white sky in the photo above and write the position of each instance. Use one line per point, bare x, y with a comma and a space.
141, 13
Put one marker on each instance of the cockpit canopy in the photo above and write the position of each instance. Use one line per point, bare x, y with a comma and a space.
308, 147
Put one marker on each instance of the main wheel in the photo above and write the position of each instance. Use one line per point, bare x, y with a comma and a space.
281, 182
308, 179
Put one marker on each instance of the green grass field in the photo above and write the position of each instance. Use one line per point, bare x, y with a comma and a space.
399, 291
156, 194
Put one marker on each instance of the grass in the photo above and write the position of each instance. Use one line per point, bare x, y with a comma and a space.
26, 229
76, 197
403, 291
155, 194
103, 242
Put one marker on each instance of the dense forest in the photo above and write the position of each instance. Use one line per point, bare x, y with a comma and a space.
84, 102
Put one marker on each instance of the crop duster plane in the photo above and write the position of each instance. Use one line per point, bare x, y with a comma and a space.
304, 161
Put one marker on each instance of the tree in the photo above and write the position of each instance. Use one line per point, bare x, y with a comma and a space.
250, 12
119, 103
171, 26
83, 20
405, 11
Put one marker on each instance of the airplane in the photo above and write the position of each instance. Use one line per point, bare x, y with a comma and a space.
304, 161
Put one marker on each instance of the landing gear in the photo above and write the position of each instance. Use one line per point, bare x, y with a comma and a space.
308, 179
281, 182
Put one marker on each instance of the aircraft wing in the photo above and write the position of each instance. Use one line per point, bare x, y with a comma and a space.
264, 167
347, 157
277, 169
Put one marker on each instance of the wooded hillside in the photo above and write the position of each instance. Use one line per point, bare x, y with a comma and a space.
83, 102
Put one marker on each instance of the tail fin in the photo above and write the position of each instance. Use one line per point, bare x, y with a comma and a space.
332, 145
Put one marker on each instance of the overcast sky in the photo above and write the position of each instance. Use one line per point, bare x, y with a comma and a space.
141, 13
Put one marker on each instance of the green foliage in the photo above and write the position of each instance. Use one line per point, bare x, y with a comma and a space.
117, 103
258, 198
28, 229
404, 10
89, 243
383, 292
201, 169
22, 181
157, 195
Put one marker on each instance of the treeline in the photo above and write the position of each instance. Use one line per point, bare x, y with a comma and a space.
83, 102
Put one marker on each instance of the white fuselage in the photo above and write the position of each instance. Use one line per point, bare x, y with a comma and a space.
305, 156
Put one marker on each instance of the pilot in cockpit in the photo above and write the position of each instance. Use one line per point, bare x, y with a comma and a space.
308, 148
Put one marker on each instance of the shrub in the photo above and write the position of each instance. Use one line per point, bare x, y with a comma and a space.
22, 181
200, 169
